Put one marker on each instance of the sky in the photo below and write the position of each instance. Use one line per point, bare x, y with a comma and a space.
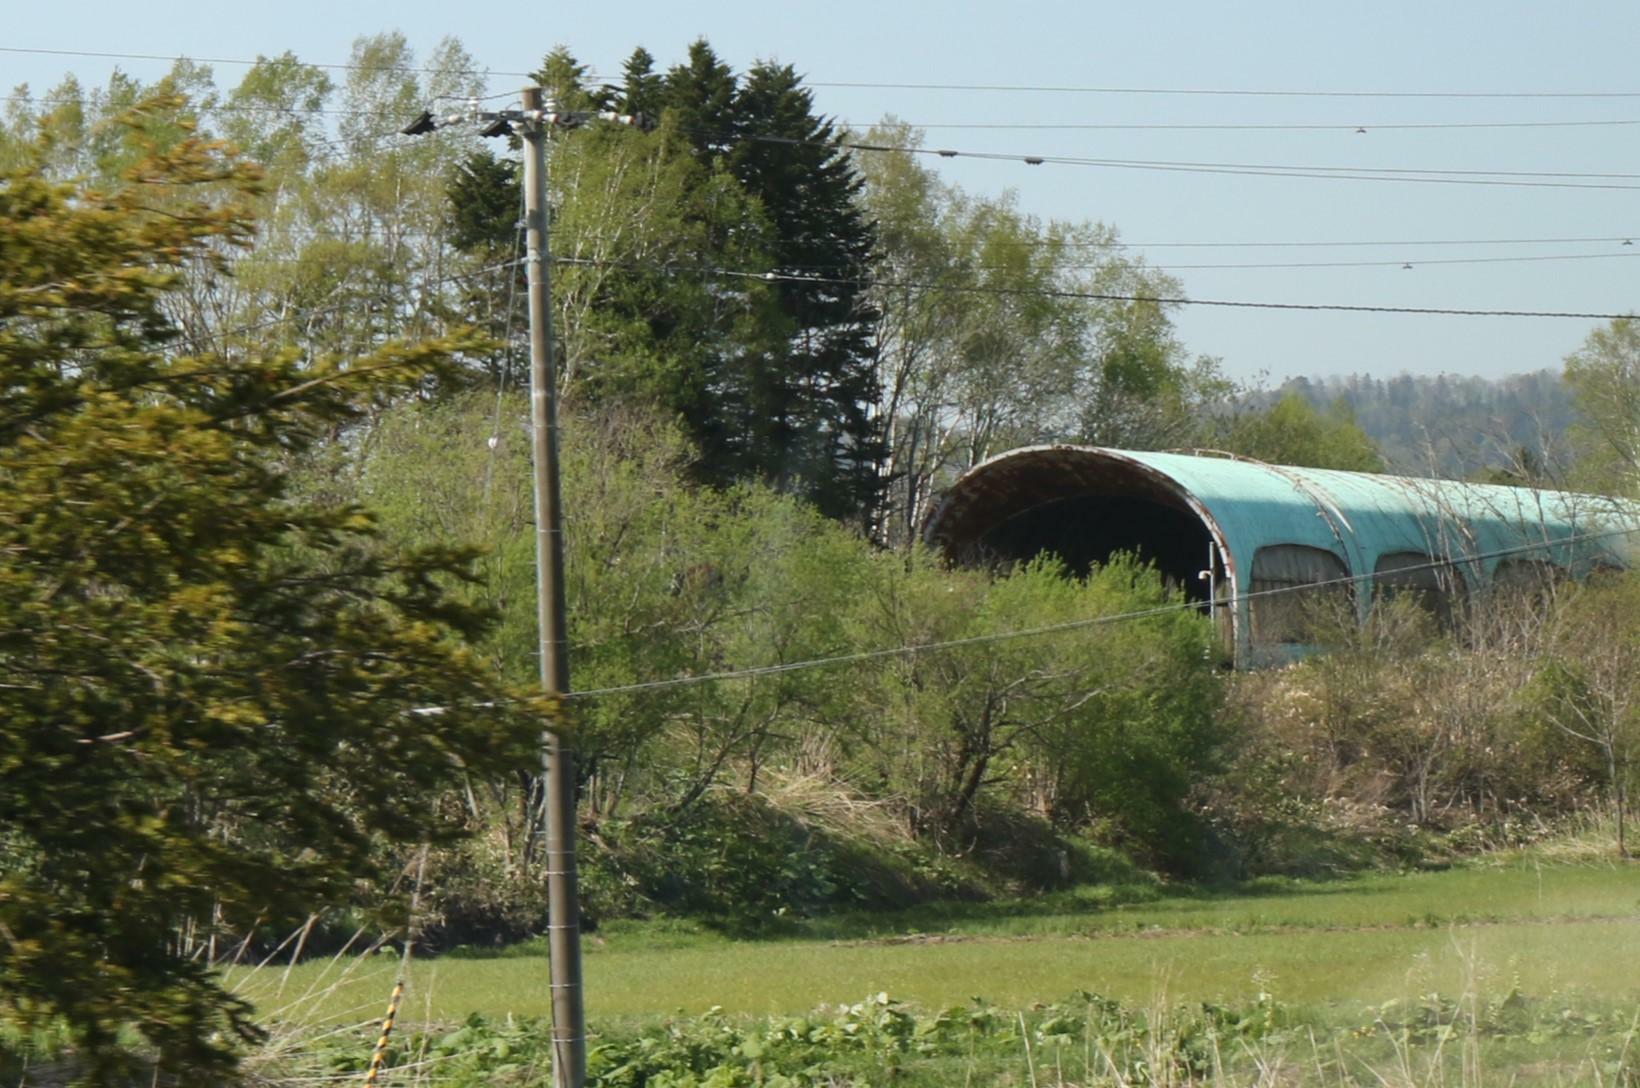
1544, 98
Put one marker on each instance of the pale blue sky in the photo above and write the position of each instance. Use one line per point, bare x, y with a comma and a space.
1517, 48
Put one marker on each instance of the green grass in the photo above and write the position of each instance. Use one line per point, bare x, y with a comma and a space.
1516, 892
1483, 930
1301, 967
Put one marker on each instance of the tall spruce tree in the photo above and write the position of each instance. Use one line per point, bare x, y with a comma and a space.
798, 415
774, 380
813, 430
641, 87
699, 95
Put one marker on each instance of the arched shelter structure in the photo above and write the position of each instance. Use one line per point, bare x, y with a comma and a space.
1226, 529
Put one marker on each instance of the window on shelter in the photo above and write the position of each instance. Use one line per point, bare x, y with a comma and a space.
1533, 579
1435, 586
1293, 613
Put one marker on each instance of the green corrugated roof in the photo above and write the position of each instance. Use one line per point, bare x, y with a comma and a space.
1363, 516
1360, 516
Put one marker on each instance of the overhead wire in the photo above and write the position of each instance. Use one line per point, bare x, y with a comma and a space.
841, 141
1399, 262
1096, 296
1210, 92
1317, 243
241, 330
1352, 173
896, 85
970, 289
335, 67
1407, 175
1010, 126
366, 233
1356, 127
914, 649
218, 107
1587, 180
1387, 170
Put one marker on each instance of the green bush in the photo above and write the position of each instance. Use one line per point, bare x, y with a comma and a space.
738, 864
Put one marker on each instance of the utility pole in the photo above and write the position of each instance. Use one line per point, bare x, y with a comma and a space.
569, 1031
569, 1034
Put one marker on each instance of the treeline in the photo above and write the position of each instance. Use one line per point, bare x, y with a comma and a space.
842, 325
1454, 426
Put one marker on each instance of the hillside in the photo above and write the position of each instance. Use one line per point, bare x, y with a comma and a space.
1450, 425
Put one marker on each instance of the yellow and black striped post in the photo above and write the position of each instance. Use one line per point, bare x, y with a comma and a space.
380, 1056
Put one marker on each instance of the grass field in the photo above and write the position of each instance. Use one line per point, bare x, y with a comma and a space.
1482, 930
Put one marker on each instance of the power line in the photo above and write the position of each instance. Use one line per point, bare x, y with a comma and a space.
1212, 91
1524, 179
479, 97
1010, 126
817, 278
1399, 262
240, 330
1095, 296
89, 98
199, 107
1616, 239
1533, 179
865, 85
1527, 179
1388, 170
1071, 243
913, 649
1619, 238
1007, 126
108, 55
1233, 126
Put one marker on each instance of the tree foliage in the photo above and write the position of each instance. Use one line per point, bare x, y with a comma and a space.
711, 268
1512, 428
995, 329
1605, 378
204, 679
1588, 682
1291, 432
1092, 726
1089, 727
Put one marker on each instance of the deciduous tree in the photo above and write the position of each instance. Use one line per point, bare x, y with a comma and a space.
1291, 432
1605, 378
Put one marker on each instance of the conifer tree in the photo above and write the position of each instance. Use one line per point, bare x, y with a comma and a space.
658, 297
205, 678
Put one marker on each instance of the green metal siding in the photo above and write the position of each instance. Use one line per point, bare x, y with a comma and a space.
1364, 516
1360, 517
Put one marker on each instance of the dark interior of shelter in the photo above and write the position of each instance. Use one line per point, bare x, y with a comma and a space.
1083, 530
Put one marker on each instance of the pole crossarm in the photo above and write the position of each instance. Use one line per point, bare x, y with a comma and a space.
505, 122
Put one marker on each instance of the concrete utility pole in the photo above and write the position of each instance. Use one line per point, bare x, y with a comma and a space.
569, 1034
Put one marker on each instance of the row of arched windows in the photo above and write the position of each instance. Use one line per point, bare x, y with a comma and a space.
1307, 584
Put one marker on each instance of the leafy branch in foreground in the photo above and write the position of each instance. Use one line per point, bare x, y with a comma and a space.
203, 680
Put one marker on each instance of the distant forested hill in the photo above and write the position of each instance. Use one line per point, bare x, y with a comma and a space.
1451, 426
